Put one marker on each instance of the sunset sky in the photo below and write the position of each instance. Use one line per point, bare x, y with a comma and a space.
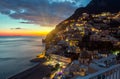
34, 17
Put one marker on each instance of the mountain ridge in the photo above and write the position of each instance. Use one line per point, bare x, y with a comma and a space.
94, 7
98, 6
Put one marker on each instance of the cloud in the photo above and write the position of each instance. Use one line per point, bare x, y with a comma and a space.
41, 12
18, 28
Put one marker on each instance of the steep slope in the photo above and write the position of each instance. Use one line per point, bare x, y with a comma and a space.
98, 6
94, 7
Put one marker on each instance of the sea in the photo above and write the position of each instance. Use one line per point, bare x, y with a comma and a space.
16, 53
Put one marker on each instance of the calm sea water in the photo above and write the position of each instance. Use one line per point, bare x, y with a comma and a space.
16, 53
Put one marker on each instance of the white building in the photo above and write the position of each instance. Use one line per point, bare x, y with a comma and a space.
103, 71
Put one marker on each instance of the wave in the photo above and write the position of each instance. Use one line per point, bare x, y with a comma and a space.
6, 59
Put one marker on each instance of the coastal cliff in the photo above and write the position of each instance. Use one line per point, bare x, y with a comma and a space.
94, 7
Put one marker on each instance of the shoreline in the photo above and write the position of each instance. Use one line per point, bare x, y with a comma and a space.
36, 72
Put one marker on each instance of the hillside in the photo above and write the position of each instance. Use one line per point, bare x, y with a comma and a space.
94, 7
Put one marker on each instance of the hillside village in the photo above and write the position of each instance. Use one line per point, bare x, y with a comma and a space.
84, 46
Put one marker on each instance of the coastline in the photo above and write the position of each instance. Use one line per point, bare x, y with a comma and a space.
37, 72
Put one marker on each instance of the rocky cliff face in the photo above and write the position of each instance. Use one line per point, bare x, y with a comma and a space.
98, 6
94, 7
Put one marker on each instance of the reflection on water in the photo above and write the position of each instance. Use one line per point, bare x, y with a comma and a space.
15, 53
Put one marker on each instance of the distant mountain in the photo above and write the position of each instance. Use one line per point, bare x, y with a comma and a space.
98, 6
94, 7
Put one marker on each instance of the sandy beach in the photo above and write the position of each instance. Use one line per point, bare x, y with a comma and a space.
37, 72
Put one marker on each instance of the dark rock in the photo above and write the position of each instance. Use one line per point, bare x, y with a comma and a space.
98, 6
